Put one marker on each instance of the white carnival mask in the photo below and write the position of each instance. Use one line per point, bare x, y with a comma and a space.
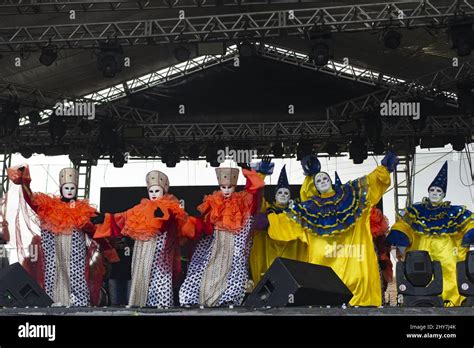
69, 191
155, 192
282, 196
227, 190
436, 194
323, 182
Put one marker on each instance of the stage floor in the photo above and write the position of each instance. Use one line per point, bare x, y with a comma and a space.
239, 311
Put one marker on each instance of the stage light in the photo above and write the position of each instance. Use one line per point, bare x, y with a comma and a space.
10, 116
211, 155
320, 53
379, 147
277, 150
465, 96
465, 278
246, 49
57, 128
440, 100
458, 142
48, 55
420, 280
358, 150
303, 149
194, 152
430, 142
331, 148
118, 159
392, 39
26, 152
170, 155
110, 58
461, 36
34, 117
182, 53
85, 127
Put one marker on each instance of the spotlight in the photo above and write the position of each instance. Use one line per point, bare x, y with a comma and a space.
194, 151
182, 53
320, 53
331, 148
465, 96
10, 117
303, 149
461, 36
26, 152
458, 142
48, 55
420, 280
429, 142
379, 147
57, 128
107, 135
278, 150
110, 58
34, 117
170, 155
85, 127
211, 155
391, 39
118, 159
247, 49
357, 150
465, 278
440, 100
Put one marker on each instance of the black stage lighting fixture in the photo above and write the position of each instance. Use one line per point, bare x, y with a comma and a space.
182, 53
85, 127
57, 128
26, 152
465, 94
320, 53
10, 116
118, 159
430, 142
247, 49
211, 155
110, 58
194, 151
379, 147
48, 55
170, 155
465, 278
277, 150
331, 148
440, 100
461, 36
303, 149
391, 39
358, 150
34, 117
458, 142
420, 280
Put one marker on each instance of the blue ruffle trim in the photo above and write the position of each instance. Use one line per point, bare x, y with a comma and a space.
326, 216
397, 238
426, 218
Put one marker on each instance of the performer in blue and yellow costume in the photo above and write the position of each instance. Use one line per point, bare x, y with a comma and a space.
334, 222
442, 229
264, 249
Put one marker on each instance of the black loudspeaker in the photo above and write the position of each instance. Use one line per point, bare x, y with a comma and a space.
289, 283
465, 277
18, 289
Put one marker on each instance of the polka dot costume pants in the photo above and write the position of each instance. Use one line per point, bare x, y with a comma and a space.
78, 289
160, 290
237, 278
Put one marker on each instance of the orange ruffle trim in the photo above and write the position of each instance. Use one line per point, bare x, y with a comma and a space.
227, 214
141, 223
378, 222
61, 217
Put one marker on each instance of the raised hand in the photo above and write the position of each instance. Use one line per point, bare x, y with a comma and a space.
265, 166
390, 161
310, 164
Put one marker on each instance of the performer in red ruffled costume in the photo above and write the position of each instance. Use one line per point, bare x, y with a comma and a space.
379, 227
158, 225
218, 272
64, 249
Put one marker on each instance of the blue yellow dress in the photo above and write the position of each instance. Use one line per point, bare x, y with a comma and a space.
336, 229
444, 230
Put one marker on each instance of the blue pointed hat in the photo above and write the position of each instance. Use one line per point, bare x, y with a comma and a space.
441, 179
337, 179
282, 180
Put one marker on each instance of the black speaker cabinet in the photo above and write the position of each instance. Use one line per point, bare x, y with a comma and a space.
18, 289
294, 283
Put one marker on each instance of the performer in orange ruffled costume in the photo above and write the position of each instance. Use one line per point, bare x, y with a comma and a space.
218, 271
64, 255
158, 225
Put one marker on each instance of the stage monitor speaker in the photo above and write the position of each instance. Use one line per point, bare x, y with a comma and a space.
18, 289
289, 283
